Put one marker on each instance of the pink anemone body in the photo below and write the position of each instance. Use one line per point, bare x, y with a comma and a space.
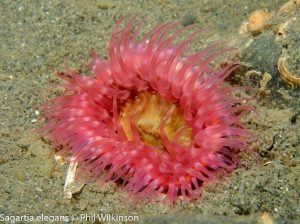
86, 121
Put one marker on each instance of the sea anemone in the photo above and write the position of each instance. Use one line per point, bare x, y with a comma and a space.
153, 117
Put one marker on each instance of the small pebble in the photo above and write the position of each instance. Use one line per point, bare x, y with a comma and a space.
33, 120
188, 19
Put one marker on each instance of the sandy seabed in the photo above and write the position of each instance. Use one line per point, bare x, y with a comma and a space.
37, 37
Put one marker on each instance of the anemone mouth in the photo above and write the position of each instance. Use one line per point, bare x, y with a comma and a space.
154, 120
157, 120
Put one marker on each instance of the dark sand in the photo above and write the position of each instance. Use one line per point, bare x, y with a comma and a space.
36, 38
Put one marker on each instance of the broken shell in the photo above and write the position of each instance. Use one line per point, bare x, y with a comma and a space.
267, 163
288, 6
282, 29
281, 32
72, 186
258, 20
286, 75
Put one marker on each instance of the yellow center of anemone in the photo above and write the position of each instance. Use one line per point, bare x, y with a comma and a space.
152, 117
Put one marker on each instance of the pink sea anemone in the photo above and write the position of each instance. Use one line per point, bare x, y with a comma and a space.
152, 116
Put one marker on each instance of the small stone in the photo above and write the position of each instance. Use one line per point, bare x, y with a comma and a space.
188, 19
